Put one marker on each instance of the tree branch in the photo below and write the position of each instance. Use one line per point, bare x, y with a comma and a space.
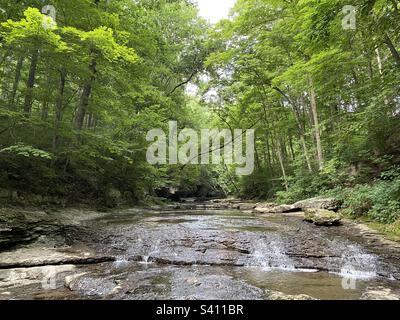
183, 83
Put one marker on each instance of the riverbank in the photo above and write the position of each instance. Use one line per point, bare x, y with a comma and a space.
26, 223
194, 250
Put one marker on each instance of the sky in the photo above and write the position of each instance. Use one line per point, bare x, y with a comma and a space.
215, 10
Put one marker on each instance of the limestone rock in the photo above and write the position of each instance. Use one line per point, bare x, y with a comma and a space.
35, 276
247, 206
322, 217
264, 207
319, 203
271, 208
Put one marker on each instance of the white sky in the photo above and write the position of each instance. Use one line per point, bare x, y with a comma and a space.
215, 10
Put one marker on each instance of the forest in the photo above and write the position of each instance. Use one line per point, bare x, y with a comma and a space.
80, 88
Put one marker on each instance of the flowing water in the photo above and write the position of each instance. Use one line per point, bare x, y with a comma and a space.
213, 254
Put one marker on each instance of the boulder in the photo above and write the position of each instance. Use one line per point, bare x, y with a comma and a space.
322, 217
272, 208
264, 207
284, 209
247, 206
319, 203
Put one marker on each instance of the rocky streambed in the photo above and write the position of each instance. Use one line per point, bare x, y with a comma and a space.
213, 250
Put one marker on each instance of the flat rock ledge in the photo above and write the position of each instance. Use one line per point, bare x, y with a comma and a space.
313, 203
39, 257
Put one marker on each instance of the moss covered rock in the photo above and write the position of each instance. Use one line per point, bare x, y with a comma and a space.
322, 217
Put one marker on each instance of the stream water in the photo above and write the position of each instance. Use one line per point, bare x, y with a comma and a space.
209, 254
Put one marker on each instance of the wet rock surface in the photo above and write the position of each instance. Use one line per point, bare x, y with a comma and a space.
197, 253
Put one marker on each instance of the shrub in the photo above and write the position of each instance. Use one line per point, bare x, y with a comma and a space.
379, 200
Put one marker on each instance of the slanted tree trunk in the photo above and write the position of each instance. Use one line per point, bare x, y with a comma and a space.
85, 98
282, 164
31, 83
393, 50
17, 78
314, 111
59, 109
278, 151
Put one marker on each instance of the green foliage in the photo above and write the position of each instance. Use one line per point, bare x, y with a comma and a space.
77, 98
378, 200
30, 31
119, 63
26, 151
323, 100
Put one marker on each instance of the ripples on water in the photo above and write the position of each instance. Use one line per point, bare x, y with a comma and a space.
263, 245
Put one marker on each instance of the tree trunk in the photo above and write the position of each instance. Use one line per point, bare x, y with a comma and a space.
280, 158
59, 109
291, 147
392, 48
85, 97
380, 66
314, 110
305, 151
30, 83
90, 120
45, 106
18, 69
302, 134
268, 152
257, 156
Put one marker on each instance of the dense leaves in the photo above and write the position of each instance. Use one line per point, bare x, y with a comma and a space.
325, 98
78, 94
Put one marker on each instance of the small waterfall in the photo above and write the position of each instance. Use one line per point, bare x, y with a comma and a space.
357, 264
271, 255
121, 262
154, 249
